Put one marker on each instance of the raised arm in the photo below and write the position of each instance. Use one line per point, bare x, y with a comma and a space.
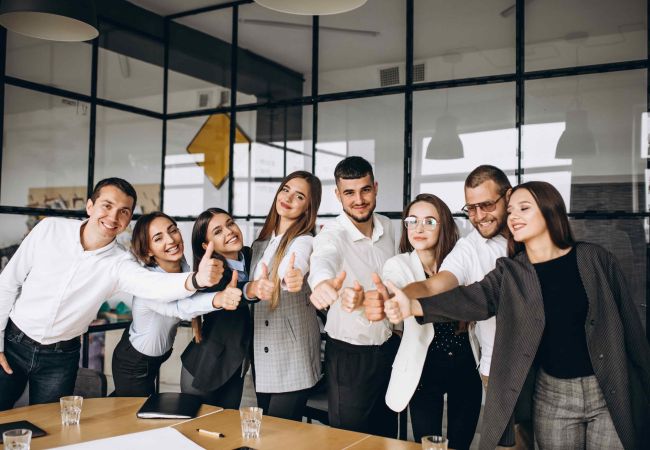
436, 284
325, 276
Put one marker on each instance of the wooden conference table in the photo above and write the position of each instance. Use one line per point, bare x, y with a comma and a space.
107, 417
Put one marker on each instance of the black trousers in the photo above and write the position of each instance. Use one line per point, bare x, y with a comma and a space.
285, 405
357, 379
457, 377
227, 396
135, 373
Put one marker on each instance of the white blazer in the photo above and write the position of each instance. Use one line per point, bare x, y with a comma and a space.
407, 368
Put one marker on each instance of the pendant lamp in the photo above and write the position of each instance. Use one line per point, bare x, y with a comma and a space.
445, 142
54, 20
311, 7
576, 139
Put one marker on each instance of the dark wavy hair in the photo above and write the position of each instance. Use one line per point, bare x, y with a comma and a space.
551, 205
119, 183
140, 237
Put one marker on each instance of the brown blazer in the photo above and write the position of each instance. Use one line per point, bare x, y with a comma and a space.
618, 349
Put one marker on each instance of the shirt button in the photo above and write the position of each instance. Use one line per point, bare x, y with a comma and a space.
266, 322
592, 322
451, 353
266, 349
601, 356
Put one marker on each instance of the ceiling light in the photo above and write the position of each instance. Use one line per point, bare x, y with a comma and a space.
576, 139
445, 142
311, 7
54, 20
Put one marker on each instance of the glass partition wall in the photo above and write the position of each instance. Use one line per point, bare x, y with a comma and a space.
212, 106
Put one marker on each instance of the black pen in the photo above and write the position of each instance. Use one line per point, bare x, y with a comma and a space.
211, 433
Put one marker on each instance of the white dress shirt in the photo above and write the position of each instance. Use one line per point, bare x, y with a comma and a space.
52, 288
340, 246
471, 259
301, 246
154, 325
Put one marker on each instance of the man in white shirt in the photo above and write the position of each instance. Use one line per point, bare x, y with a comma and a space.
53, 286
359, 353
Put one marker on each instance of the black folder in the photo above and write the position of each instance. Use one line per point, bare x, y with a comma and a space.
170, 405
36, 431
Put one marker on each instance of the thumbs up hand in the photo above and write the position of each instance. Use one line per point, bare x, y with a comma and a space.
399, 307
374, 300
327, 291
293, 277
261, 288
210, 269
351, 298
230, 297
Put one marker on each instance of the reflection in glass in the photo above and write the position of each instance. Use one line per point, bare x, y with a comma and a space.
484, 122
372, 128
45, 150
584, 32
480, 42
376, 57
129, 146
64, 65
585, 134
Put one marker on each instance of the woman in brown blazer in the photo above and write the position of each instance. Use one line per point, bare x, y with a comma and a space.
568, 334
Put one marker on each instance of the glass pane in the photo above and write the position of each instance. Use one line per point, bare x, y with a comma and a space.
130, 68
588, 136
583, 32
458, 129
64, 65
199, 61
129, 146
45, 150
480, 42
372, 128
625, 238
364, 48
197, 164
277, 62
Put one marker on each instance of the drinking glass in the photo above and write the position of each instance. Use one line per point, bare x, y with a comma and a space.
251, 422
71, 409
18, 439
434, 443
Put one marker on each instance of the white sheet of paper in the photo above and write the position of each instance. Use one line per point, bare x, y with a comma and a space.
159, 439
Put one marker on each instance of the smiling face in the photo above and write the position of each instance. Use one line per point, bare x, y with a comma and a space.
226, 236
165, 241
422, 237
525, 219
488, 224
293, 199
358, 197
109, 214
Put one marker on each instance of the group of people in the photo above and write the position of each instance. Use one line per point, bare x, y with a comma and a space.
544, 323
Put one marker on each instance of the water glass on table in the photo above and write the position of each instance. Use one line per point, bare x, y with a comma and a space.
251, 422
71, 409
18, 439
434, 443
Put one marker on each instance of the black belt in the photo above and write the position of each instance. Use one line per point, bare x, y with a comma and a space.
70, 344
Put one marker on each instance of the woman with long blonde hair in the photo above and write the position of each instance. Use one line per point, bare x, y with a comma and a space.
286, 335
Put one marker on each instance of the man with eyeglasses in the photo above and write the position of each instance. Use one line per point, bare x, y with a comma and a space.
487, 190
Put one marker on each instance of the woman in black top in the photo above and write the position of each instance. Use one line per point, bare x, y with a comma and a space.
566, 327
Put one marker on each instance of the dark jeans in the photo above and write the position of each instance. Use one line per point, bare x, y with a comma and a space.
50, 369
134, 373
227, 396
357, 379
457, 377
285, 405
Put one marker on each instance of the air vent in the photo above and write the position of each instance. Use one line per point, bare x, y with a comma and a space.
389, 76
418, 73
204, 99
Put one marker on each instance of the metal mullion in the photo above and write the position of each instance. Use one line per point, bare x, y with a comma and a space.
284, 140
205, 9
462, 82
3, 63
315, 36
408, 107
129, 108
520, 17
233, 104
586, 70
93, 117
163, 155
29, 211
129, 28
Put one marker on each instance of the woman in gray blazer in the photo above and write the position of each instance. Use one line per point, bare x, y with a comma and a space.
568, 334
286, 335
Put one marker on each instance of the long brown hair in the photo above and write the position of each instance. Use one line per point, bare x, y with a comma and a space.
448, 230
140, 238
199, 237
551, 205
304, 225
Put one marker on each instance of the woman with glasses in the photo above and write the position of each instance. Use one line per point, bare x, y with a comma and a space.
568, 333
431, 363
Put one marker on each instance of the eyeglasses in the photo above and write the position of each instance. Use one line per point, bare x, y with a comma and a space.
488, 206
428, 223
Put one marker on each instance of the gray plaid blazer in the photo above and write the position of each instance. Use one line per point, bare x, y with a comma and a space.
286, 341
618, 349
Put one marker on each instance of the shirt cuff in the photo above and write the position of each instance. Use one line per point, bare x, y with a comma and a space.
246, 297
